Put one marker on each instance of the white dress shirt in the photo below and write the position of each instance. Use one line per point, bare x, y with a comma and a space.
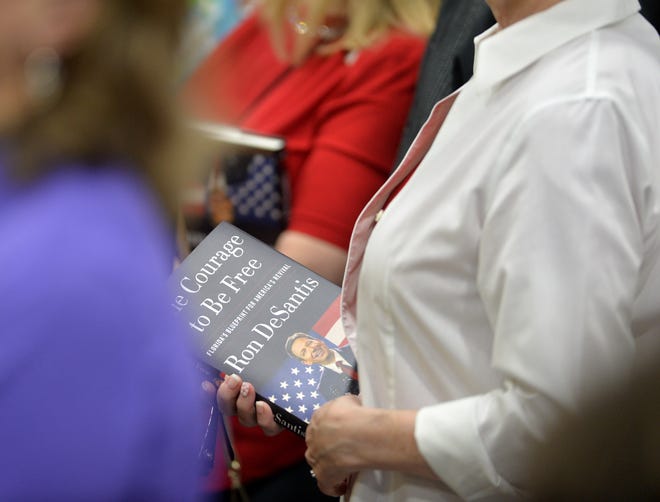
520, 264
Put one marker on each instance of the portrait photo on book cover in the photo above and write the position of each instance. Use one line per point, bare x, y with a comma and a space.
320, 367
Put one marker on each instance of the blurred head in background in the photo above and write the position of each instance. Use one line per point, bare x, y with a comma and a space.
89, 80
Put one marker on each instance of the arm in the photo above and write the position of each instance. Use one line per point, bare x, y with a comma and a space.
357, 129
558, 273
324, 258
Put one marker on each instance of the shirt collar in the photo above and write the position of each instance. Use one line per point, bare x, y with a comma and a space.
333, 365
501, 54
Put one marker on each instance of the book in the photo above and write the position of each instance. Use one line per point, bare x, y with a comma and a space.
239, 138
242, 182
252, 311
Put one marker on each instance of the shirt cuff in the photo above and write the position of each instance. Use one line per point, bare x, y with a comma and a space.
447, 436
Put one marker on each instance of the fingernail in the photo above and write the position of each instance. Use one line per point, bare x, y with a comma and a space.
245, 388
260, 407
208, 387
232, 381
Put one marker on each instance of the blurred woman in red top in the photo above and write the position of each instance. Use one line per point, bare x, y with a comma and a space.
335, 78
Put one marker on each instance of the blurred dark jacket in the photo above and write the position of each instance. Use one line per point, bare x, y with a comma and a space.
447, 62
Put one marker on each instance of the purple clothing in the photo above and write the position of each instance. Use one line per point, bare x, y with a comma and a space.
98, 399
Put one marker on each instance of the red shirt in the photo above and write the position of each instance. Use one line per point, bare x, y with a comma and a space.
342, 116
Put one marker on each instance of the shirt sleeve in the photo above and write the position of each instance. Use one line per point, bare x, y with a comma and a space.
559, 261
354, 149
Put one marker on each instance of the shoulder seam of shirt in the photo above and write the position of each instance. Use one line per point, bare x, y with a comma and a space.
528, 117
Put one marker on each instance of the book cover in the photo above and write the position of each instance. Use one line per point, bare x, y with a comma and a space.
254, 312
242, 182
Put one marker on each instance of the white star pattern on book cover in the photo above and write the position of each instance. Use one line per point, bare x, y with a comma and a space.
297, 390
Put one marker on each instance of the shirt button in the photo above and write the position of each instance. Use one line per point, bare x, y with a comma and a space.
379, 215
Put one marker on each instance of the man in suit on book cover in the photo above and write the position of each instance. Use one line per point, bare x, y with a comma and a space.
340, 374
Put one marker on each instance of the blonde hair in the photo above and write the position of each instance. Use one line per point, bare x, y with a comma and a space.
367, 21
116, 100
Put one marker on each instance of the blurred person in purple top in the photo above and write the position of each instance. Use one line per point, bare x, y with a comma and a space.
97, 396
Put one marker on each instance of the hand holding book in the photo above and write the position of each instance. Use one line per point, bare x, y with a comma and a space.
236, 397
333, 452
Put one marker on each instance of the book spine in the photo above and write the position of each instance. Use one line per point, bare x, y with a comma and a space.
287, 420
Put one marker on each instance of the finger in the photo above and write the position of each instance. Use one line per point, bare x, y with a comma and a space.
340, 488
209, 389
266, 420
228, 393
309, 434
356, 399
332, 489
310, 458
245, 410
